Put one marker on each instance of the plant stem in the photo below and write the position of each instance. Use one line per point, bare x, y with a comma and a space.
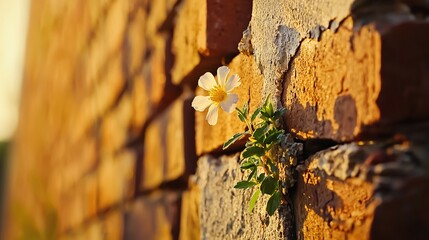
250, 127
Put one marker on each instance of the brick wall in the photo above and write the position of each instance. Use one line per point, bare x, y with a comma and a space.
108, 146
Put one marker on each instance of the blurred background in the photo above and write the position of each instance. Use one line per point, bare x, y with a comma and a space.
98, 139
13, 30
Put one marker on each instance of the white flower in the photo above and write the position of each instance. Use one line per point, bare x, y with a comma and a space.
219, 93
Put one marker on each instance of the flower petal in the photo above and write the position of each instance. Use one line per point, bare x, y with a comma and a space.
228, 105
212, 114
233, 82
200, 103
222, 73
207, 81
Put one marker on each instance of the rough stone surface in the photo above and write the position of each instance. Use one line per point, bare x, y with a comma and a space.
348, 84
277, 28
172, 134
364, 191
211, 138
223, 209
205, 32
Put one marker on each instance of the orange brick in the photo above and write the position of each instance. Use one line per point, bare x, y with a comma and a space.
77, 203
112, 31
109, 227
94, 230
90, 196
362, 191
349, 84
205, 31
154, 216
211, 138
106, 44
116, 179
158, 15
71, 212
136, 40
78, 160
169, 147
114, 225
95, 10
141, 105
114, 127
190, 214
99, 98
156, 71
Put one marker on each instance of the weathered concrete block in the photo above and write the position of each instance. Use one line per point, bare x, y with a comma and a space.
374, 191
223, 209
349, 83
155, 216
205, 32
169, 145
278, 27
211, 138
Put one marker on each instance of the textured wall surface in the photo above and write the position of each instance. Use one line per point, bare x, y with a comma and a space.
109, 147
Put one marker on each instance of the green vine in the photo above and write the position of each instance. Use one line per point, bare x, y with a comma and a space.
260, 156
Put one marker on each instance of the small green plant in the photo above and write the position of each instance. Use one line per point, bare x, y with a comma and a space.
260, 156
270, 156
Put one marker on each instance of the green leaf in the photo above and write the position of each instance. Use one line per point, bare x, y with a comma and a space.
267, 100
270, 109
265, 115
261, 177
273, 137
269, 185
278, 113
252, 151
244, 184
274, 203
248, 163
232, 140
245, 110
252, 174
259, 132
253, 199
241, 115
273, 167
255, 114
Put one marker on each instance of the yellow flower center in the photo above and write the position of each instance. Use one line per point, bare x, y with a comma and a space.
217, 94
